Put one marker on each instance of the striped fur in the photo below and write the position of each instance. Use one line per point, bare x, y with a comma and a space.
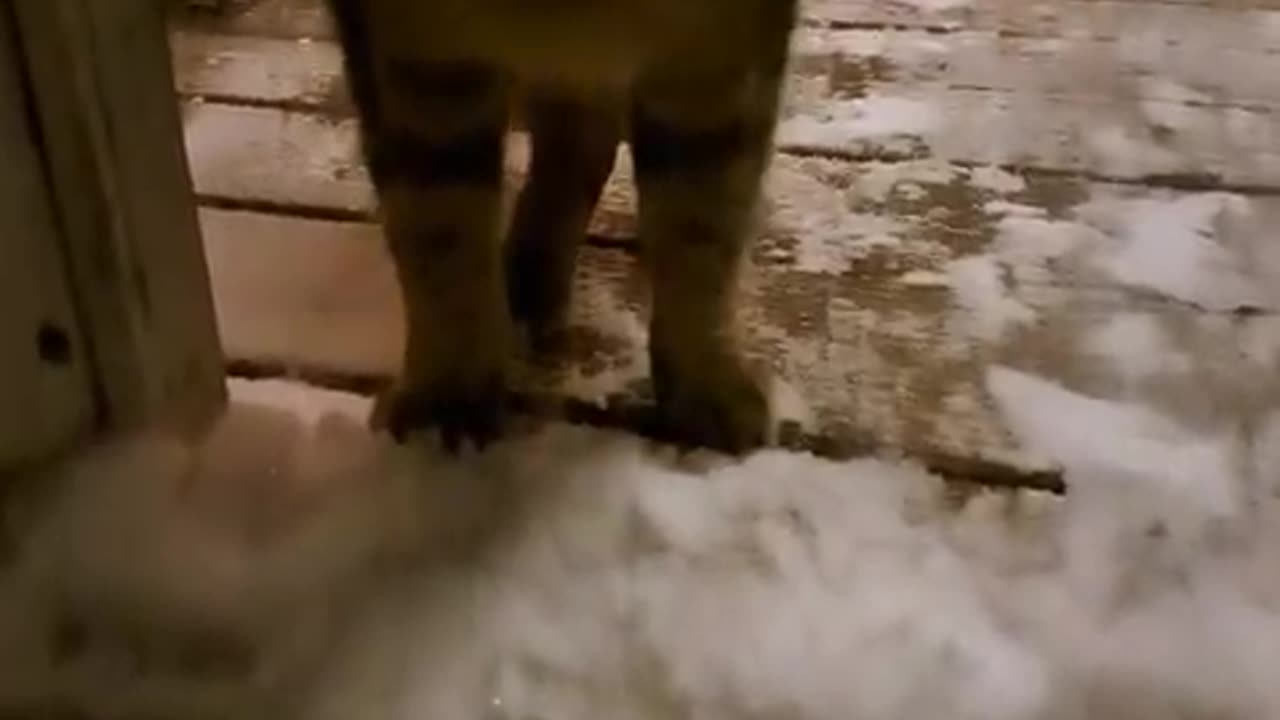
692, 84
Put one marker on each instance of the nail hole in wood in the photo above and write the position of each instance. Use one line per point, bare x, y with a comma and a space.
53, 344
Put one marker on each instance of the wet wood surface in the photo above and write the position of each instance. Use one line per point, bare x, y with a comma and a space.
955, 188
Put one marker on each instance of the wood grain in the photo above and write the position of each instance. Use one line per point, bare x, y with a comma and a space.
48, 402
103, 99
952, 191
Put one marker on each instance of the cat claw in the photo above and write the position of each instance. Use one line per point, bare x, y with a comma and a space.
729, 415
461, 413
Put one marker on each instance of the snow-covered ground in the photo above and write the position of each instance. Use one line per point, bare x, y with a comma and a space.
573, 573
292, 565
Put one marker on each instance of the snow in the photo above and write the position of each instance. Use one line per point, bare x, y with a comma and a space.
998, 291
1137, 348
879, 181
841, 123
576, 573
978, 286
1193, 248
997, 180
828, 234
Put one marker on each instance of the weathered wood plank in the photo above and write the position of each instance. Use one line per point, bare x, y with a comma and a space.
276, 156
1250, 21
307, 164
878, 314
267, 18
260, 70
265, 70
337, 307
46, 400
1145, 105
1153, 141
104, 104
289, 159
1150, 66
880, 292
337, 313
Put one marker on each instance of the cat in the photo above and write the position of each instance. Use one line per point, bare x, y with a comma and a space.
693, 85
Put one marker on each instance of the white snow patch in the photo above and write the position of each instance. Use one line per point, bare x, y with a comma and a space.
979, 287
1004, 207
911, 191
997, 180
1181, 247
1117, 151
1260, 342
828, 235
1137, 348
990, 287
1170, 105
878, 180
572, 573
1082, 433
833, 248
787, 403
923, 278
844, 123
1023, 240
899, 49
1169, 570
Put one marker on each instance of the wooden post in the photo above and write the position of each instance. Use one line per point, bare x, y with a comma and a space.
45, 398
101, 87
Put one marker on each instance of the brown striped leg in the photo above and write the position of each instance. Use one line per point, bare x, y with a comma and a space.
436, 159
700, 149
574, 145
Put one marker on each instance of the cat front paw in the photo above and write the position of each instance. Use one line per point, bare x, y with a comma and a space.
463, 409
721, 409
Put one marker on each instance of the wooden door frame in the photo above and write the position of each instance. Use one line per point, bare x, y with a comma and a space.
101, 91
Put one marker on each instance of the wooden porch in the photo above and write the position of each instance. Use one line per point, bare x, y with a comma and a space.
958, 185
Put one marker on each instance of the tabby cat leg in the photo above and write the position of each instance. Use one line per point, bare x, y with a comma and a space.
700, 150
574, 145
436, 159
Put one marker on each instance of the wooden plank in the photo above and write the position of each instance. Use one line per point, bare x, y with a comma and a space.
286, 159
1153, 141
309, 164
260, 70
104, 102
276, 156
879, 318
44, 379
337, 308
1147, 107
296, 75
337, 314
1244, 23
1153, 66
1247, 21
880, 292
879, 295
268, 18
